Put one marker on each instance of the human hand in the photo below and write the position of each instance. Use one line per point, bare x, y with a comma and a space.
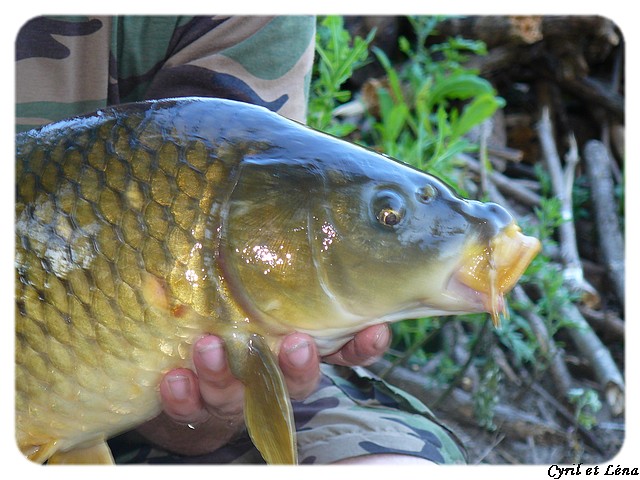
364, 348
202, 410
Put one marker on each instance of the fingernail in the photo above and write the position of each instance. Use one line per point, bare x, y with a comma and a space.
382, 339
212, 355
179, 386
299, 354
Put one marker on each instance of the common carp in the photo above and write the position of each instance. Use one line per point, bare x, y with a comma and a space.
141, 227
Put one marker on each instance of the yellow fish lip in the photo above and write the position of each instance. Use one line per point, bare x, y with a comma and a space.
487, 272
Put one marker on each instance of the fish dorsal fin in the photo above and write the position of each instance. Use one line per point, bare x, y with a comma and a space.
267, 409
93, 455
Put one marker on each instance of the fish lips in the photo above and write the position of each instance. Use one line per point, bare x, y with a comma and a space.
487, 272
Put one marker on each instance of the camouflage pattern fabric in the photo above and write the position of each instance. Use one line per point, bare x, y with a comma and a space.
67, 66
351, 414
73, 65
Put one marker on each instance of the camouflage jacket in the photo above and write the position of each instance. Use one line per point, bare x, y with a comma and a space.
71, 65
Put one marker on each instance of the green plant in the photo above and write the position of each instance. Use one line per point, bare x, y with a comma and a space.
338, 56
487, 396
431, 104
543, 272
587, 405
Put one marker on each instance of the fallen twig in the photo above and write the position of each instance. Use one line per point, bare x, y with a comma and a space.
505, 153
504, 183
558, 368
603, 195
460, 405
563, 412
595, 92
489, 449
485, 130
599, 357
503, 364
562, 184
586, 340
605, 321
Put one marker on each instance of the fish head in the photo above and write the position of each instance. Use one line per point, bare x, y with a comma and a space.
330, 242
412, 247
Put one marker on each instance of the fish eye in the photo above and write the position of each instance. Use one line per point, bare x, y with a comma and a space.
427, 193
389, 217
388, 208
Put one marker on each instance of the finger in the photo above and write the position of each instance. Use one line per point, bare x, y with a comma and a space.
364, 348
221, 392
180, 397
300, 364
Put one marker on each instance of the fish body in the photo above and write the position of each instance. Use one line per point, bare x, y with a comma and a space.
142, 227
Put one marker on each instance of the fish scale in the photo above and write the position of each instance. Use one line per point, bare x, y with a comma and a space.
99, 309
141, 227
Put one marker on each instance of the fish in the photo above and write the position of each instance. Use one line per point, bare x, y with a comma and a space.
141, 227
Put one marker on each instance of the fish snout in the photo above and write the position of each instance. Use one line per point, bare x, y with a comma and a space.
499, 214
489, 219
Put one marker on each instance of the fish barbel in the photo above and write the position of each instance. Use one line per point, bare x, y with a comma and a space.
141, 227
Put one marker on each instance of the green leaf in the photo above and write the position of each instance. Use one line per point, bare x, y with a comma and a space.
476, 112
392, 75
461, 87
396, 121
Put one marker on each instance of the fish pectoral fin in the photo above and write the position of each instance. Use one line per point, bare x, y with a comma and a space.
267, 410
98, 454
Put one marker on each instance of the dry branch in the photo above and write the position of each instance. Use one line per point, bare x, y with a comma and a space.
603, 201
605, 321
562, 184
563, 412
598, 356
594, 92
582, 334
504, 183
460, 405
498, 59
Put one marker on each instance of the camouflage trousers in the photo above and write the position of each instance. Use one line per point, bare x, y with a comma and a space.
351, 414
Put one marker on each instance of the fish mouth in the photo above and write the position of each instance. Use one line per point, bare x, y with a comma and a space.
487, 272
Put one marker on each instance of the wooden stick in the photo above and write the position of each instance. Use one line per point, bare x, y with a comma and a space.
603, 320
562, 184
484, 158
595, 92
598, 356
506, 153
481, 456
504, 183
582, 334
468, 365
563, 412
460, 405
603, 201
